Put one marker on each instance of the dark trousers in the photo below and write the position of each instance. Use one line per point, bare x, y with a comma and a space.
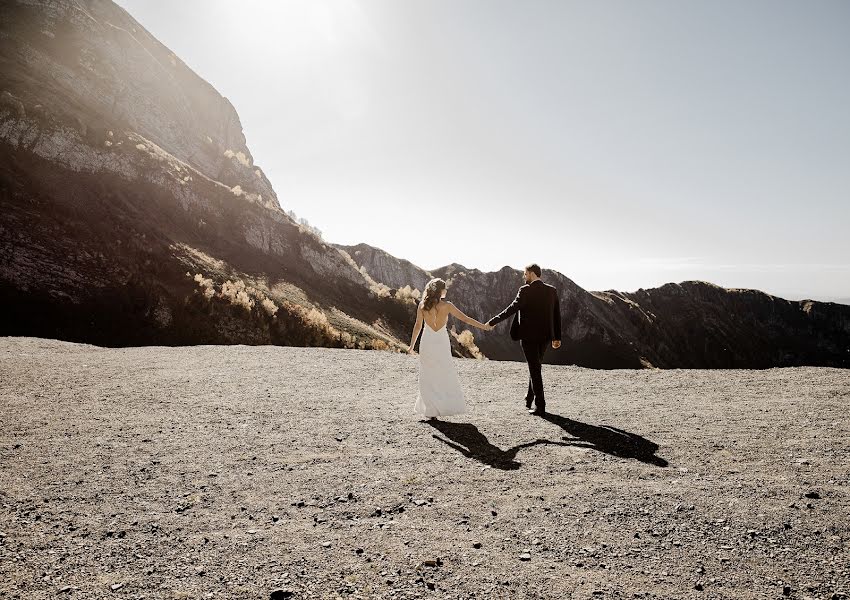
534, 351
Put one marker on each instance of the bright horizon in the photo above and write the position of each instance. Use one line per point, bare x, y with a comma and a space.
625, 145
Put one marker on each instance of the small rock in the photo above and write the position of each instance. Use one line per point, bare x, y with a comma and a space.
813, 495
698, 586
116, 586
430, 585
359, 551
476, 545
786, 591
493, 512
65, 589
252, 531
275, 518
280, 594
525, 556
326, 544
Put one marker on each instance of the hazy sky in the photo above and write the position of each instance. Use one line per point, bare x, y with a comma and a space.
625, 144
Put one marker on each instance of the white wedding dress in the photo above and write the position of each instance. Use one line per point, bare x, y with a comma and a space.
440, 394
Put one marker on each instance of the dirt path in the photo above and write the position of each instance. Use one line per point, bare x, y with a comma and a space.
229, 472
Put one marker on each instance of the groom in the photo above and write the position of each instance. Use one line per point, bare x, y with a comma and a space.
539, 324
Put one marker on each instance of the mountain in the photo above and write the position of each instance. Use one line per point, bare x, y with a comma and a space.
131, 209
687, 325
132, 213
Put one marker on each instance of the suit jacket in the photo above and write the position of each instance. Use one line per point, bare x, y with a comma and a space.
539, 313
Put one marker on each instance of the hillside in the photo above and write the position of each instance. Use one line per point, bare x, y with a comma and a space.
232, 470
131, 209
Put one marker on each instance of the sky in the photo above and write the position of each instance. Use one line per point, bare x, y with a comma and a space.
625, 144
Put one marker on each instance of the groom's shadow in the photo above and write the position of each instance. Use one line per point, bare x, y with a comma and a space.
466, 439
607, 439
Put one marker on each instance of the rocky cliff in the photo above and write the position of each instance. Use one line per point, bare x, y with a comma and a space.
131, 210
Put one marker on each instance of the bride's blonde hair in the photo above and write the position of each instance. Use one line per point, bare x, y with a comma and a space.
433, 293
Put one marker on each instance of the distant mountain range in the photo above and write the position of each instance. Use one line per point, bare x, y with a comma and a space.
691, 324
132, 213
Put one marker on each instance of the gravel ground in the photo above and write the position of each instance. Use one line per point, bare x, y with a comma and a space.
257, 472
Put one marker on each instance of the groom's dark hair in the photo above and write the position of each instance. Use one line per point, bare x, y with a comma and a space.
534, 268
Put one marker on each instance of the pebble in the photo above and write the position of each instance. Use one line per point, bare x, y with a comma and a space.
326, 544
280, 594
476, 545
116, 586
813, 495
525, 556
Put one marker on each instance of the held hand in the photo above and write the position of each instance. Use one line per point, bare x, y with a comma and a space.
556, 344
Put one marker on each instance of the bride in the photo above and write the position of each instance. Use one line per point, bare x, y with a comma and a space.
440, 393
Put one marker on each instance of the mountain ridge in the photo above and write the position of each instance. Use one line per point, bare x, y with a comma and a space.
660, 327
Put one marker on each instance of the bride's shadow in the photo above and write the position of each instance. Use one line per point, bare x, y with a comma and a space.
466, 439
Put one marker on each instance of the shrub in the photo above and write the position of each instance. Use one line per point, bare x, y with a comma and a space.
467, 340
269, 306
379, 345
380, 290
206, 285
239, 156
236, 293
408, 294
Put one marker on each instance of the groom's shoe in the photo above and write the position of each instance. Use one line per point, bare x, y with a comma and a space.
528, 402
540, 410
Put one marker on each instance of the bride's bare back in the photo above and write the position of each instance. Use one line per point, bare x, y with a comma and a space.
438, 316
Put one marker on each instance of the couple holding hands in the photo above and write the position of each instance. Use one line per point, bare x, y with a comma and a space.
536, 325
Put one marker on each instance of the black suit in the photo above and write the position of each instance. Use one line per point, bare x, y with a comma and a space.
539, 324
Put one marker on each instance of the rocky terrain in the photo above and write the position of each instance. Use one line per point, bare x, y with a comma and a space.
271, 472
